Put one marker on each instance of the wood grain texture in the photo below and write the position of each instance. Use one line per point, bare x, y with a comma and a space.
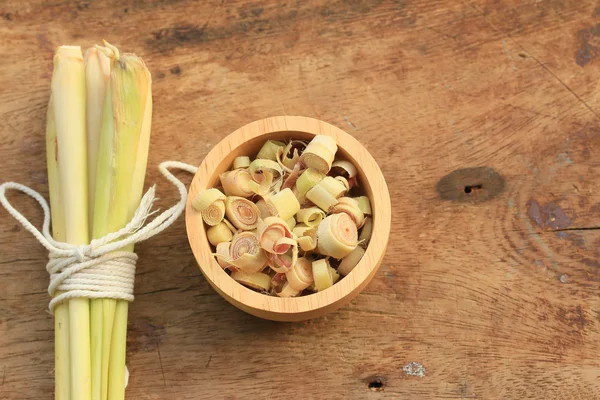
248, 140
496, 299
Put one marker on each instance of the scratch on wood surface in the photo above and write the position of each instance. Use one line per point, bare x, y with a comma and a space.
208, 362
162, 370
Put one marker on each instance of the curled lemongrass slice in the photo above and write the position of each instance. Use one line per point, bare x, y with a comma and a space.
232, 228
218, 234
311, 216
263, 208
291, 223
241, 162
236, 183
343, 168
257, 280
319, 153
245, 253
334, 274
271, 233
364, 204
211, 203
300, 276
323, 278
287, 291
308, 240
265, 174
223, 254
350, 261
365, 232
344, 182
283, 204
306, 181
332, 186
242, 213
278, 281
293, 176
290, 155
321, 198
270, 149
337, 236
349, 206
282, 263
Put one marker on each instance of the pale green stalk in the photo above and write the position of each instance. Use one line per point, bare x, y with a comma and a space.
62, 374
97, 75
68, 92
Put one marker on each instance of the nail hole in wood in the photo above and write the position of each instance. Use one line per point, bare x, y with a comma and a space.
472, 188
376, 385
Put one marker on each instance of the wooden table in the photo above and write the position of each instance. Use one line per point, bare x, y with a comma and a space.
484, 117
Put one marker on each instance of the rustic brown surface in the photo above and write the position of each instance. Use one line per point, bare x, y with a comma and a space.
497, 298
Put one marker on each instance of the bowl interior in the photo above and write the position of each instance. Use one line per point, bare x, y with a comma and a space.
247, 141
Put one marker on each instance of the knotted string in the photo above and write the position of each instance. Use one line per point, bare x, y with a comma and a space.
99, 269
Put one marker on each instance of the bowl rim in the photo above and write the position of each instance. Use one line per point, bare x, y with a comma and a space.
303, 307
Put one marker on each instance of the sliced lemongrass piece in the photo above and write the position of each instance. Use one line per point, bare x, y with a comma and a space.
334, 275
232, 228
365, 232
292, 177
291, 223
337, 236
308, 241
282, 263
344, 168
270, 232
283, 204
332, 186
300, 276
344, 182
223, 251
300, 229
321, 198
242, 213
256, 280
263, 208
306, 181
218, 234
241, 162
237, 183
350, 261
265, 174
349, 206
321, 275
319, 153
211, 203
364, 204
269, 150
287, 291
311, 216
245, 253
290, 155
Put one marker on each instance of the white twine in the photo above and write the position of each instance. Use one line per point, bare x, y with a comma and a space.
98, 270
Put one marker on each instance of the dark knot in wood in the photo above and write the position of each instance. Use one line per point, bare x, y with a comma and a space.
470, 185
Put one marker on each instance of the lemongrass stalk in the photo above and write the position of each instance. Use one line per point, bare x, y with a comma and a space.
62, 375
97, 75
68, 93
122, 161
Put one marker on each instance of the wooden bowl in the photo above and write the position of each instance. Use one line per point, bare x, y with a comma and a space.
247, 141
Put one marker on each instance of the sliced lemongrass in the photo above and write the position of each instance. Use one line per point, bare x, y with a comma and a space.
365, 232
277, 281
218, 234
288, 291
299, 229
334, 275
300, 276
266, 175
344, 182
292, 177
232, 228
290, 155
321, 275
308, 240
337, 236
245, 253
270, 232
344, 168
263, 208
321, 198
283, 204
320, 153
332, 186
350, 261
291, 223
242, 213
237, 183
364, 204
282, 263
306, 181
223, 250
269, 150
241, 162
257, 280
311, 216
349, 206
211, 203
